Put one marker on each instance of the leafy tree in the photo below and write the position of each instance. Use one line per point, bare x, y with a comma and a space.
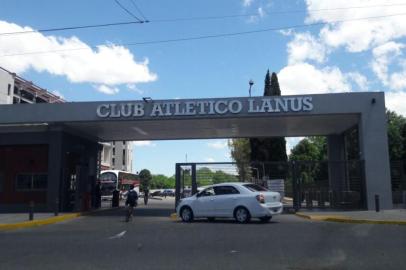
269, 149
396, 139
311, 149
240, 152
145, 179
162, 181
306, 150
205, 176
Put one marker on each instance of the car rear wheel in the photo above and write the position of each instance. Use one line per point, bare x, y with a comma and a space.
265, 219
186, 214
242, 215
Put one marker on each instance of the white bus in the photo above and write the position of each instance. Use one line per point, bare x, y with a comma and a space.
111, 180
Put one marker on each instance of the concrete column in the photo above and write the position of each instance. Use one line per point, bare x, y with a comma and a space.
54, 169
374, 151
336, 158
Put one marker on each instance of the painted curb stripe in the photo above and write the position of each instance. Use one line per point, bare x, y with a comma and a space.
343, 219
40, 222
173, 216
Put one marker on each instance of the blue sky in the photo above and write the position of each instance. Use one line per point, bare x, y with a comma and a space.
357, 55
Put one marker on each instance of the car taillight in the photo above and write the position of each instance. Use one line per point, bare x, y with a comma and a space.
260, 198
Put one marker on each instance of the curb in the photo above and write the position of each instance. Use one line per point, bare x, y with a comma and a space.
40, 222
344, 219
173, 217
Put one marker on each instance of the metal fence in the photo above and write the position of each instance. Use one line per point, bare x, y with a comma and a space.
398, 177
303, 184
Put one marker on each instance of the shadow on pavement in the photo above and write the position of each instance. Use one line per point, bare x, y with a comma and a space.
229, 221
141, 212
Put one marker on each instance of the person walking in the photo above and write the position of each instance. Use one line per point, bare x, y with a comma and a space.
130, 203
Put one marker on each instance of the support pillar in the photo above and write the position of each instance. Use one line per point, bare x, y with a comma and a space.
374, 151
54, 169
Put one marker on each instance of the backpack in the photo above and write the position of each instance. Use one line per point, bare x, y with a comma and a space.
132, 197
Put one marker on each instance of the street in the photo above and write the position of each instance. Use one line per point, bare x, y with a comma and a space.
154, 241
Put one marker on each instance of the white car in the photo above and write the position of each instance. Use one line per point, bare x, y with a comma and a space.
241, 201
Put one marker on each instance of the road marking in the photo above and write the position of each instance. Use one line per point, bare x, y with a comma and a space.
119, 235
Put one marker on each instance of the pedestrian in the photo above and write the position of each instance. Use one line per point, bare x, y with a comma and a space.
131, 202
146, 194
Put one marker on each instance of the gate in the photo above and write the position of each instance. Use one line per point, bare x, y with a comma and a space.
302, 184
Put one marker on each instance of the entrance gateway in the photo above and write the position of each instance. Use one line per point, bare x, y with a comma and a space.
49, 152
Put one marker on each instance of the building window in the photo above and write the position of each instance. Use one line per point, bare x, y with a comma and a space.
114, 151
123, 142
114, 143
113, 161
31, 182
8, 89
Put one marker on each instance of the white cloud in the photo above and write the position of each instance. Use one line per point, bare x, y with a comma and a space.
108, 90
395, 101
134, 88
303, 47
247, 3
261, 12
359, 80
291, 142
384, 56
218, 144
144, 144
304, 78
209, 159
359, 35
107, 65
59, 94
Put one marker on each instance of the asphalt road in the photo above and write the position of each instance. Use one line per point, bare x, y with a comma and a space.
153, 241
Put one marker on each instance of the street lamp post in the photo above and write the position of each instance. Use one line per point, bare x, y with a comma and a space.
251, 83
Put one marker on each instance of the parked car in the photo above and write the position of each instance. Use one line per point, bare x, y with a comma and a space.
168, 192
241, 201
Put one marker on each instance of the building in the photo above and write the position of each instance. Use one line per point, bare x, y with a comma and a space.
117, 155
50, 152
16, 90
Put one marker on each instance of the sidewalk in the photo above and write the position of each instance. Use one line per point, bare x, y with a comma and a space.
394, 216
12, 221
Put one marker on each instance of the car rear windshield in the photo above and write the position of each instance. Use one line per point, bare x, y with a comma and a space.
254, 187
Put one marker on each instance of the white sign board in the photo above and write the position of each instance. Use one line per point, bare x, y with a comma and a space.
277, 185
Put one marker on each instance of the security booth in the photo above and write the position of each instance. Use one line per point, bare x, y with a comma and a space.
53, 169
72, 131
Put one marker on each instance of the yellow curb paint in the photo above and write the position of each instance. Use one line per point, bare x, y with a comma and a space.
345, 219
173, 216
40, 222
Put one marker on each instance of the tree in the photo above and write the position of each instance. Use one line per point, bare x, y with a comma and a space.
145, 179
240, 152
305, 150
396, 139
268, 149
162, 181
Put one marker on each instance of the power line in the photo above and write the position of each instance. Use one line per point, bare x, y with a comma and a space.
202, 18
126, 10
70, 28
139, 10
211, 36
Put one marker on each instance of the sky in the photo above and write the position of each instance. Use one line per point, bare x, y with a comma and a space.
315, 46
